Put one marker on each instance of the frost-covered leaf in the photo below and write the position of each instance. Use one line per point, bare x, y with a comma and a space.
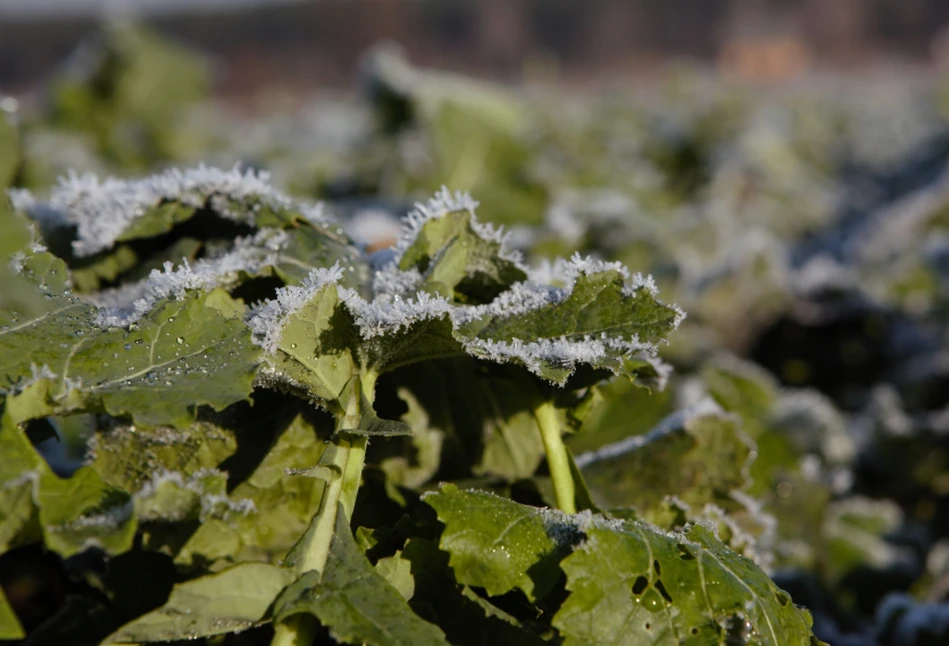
106, 212
353, 601
500, 545
308, 336
10, 627
602, 317
233, 600
68, 514
455, 255
158, 371
698, 455
630, 584
319, 335
83, 511
130, 457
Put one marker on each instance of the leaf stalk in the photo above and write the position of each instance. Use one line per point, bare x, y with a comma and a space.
558, 462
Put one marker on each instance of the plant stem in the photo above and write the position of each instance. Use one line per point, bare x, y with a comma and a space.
343, 460
298, 630
558, 462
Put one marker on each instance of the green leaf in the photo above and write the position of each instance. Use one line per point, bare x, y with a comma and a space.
486, 417
82, 512
310, 338
412, 461
498, 544
10, 627
233, 600
20, 471
699, 456
69, 515
283, 504
158, 371
459, 259
113, 93
630, 584
129, 457
599, 322
353, 601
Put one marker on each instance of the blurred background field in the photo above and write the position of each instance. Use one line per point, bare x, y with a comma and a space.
781, 168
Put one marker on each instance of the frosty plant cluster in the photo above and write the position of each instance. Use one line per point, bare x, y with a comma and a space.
166, 306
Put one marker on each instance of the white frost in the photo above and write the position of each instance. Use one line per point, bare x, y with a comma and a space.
268, 319
124, 305
443, 203
101, 210
386, 314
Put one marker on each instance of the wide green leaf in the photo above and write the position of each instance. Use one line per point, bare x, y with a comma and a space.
233, 600
354, 601
498, 544
699, 456
601, 319
631, 584
158, 371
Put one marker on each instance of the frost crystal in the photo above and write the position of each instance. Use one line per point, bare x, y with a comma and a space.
268, 318
563, 352
126, 304
17, 262
387, 314
521, 298
443, 203
102, 210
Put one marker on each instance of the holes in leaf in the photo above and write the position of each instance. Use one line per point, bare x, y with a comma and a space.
640, 585
662, 590
782, 597
647, 626
657, 568
684, 553
694, 631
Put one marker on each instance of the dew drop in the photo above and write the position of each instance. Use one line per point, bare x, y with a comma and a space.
128, 346
180, 340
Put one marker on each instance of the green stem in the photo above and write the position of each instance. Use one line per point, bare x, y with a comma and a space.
298, 630
343, 461
557, 460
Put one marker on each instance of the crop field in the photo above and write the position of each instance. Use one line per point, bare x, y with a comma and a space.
444, 362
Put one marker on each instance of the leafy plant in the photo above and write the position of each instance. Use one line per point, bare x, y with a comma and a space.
230, 355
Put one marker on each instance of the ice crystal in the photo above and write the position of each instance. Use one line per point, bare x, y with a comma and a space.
268, 318
101, 210
386, 314
122, 306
